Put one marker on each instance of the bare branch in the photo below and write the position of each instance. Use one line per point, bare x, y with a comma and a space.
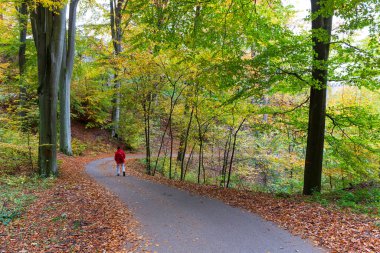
298, 76
294, 108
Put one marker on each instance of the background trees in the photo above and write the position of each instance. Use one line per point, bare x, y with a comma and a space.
224, 86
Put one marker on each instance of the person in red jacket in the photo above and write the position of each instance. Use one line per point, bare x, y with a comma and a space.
120, 160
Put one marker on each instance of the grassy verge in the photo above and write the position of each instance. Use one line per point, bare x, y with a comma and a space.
16, 193
363, 199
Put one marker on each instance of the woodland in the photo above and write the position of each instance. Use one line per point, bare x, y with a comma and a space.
243, 94
272, 106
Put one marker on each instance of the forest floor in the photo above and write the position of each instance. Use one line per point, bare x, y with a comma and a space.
334, 229
75, 214
70, 213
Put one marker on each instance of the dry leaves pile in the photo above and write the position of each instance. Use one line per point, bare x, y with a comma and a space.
335, 230
75, 215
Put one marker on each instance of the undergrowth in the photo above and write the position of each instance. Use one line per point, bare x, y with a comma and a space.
365, 200
17, 192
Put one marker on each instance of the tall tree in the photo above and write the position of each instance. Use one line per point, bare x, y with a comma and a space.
64, 88
117, 9
321, 34
23, 22
48, 24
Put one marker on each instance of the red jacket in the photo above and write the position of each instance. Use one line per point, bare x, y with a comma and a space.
119, 156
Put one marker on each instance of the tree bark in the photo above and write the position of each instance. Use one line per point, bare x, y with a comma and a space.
182, 136
185, 144
49, 39
162, 142
147, 110
317, 108
171, 149
188, 161
116, 11
232, 154
64, 92
200, 146
23, 22
226, 155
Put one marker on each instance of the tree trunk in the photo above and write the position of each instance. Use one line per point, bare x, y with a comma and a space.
116, 108
64, 92
116, 9
186, 141
165, 156
171, 149
200, 146
265, 116
199, 161
146, 108
232, 154
317, 108
188, 161
161, 143
49, 39
23, 22
182, 137
172, 105
226, 155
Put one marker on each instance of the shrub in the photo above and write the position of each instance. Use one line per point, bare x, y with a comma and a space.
16, 158
78, 147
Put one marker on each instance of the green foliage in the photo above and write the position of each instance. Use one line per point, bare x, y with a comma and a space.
78, 147
192, 177
16, 158
215, 63
131, 131
363, 199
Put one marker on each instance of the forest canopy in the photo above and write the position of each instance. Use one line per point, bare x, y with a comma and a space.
236, 93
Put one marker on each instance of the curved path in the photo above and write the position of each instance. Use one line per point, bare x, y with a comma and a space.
179, 222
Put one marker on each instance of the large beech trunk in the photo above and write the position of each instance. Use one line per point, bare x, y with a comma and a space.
116, 10
48, 33
64, 89
317, 108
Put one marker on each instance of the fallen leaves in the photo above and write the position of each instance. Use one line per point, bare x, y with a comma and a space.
75, 215
78, 215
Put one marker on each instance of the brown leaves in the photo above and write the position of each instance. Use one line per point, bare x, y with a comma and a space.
75, 215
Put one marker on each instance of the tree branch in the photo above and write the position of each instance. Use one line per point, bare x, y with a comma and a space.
294, 108
298, 76
349, 45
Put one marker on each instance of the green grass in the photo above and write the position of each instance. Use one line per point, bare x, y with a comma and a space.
364, 200
17, 193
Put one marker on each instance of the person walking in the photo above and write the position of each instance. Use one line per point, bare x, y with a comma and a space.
120, 160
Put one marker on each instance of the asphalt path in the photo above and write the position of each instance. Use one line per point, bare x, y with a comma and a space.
179, 222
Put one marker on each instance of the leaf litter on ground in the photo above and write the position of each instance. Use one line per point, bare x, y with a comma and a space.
74, 215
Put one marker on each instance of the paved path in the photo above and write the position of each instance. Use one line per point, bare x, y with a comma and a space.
179, 222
